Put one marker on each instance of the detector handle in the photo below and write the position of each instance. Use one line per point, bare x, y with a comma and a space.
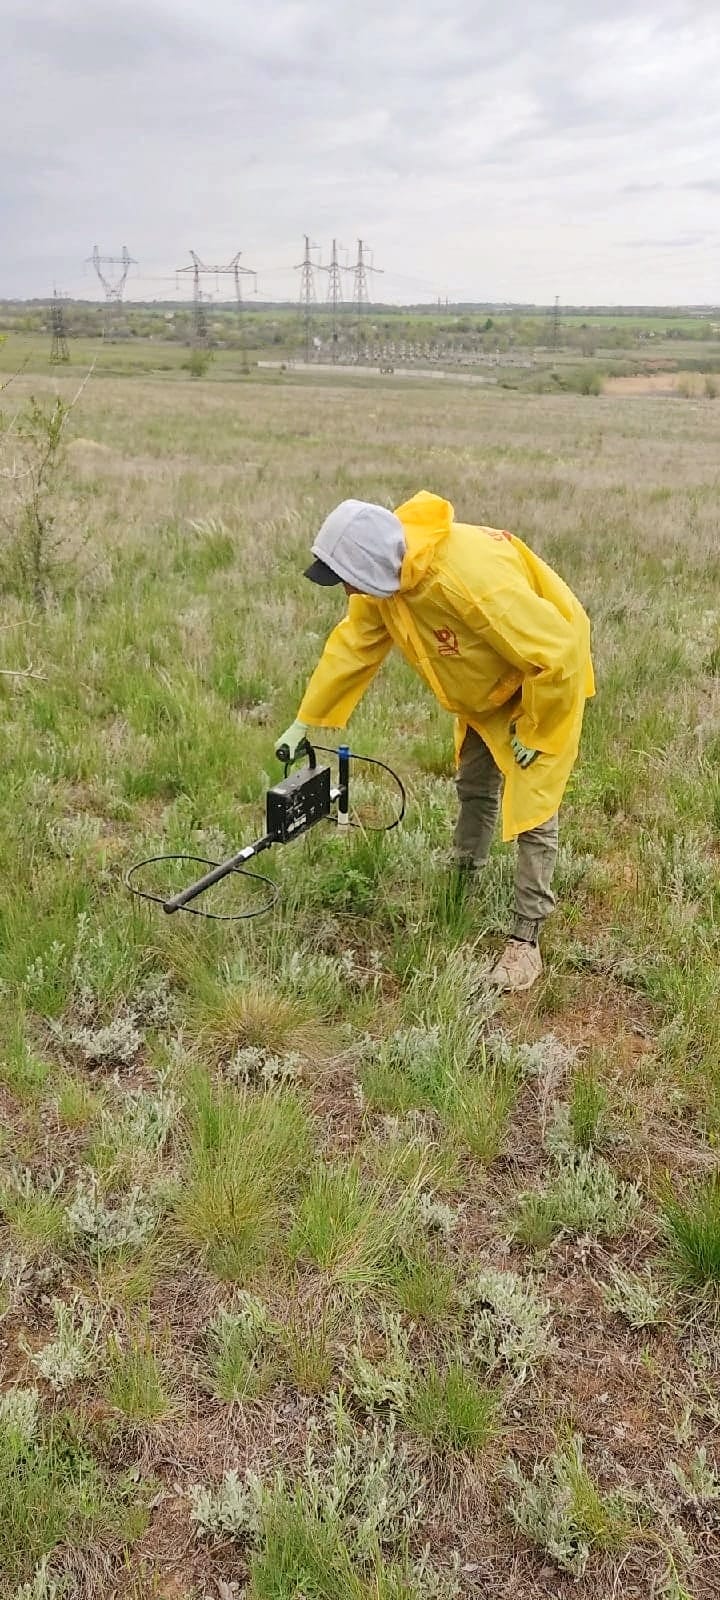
343, 816
304, 749
234, 864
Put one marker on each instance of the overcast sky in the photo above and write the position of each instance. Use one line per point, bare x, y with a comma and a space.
485, 149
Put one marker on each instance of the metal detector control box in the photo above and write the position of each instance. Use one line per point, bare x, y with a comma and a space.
297, 802
292, 806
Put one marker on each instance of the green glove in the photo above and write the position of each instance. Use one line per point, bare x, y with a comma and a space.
291, 741
522, 753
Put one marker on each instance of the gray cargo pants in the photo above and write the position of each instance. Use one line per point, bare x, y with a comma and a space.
479, 786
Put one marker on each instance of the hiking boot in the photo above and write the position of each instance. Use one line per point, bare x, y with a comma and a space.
456, 861
518, 968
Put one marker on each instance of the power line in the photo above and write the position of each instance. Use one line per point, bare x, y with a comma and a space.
59, 351
114, 285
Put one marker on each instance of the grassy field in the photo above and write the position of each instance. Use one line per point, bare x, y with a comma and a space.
321, 1274
507, 347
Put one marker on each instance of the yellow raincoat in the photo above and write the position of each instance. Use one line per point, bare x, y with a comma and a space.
497, 636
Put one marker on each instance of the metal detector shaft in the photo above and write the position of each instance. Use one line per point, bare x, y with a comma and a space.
222, 871
343, 816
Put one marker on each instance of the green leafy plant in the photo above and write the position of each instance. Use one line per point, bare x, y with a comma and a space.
71, 1354
41, 1586
560, 1508
33, 540
198, 362
382, 1382
132, 1136
509, 1324
636, 1296
584, 1197
356, 1496
242, 1361
700, 1481
104, 1228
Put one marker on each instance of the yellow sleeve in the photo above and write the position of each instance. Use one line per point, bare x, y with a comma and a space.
347, 666
551, 652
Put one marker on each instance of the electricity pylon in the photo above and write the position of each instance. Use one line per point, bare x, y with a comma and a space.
307, 290
361, 293
114, 286
59, 350
334, 294
199, 270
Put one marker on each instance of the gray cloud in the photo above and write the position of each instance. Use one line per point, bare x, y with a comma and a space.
485, 152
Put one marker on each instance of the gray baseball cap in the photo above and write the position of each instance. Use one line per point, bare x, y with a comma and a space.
320, 572
361, 544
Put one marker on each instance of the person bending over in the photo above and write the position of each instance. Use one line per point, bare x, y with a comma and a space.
502, 643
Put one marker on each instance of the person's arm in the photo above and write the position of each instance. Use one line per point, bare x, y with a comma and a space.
347, 666
551, 653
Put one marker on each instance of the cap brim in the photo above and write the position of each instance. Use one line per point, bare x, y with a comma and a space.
318, 572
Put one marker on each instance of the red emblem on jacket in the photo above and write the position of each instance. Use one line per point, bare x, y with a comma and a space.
447, 642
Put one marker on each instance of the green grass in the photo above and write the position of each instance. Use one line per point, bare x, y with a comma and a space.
76, 1103
479, 1108
588, 1103
334, 1062
350, 1227
52, 1490
245, 1154
692, 1222
37, 1218
424, 1285
306, 1345
440, 1063
453, 1411
242, 1361
135, 1385
23, 1071
400, 1157
303, 1554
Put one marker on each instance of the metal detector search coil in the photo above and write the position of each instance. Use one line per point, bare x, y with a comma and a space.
292, 806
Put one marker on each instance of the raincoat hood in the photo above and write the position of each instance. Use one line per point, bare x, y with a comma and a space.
365, 545
426, 521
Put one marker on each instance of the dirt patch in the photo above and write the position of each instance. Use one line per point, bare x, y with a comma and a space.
642, 383
689, 385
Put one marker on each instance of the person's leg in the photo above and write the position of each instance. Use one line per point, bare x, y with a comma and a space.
478, 783
520, 964
534, 899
